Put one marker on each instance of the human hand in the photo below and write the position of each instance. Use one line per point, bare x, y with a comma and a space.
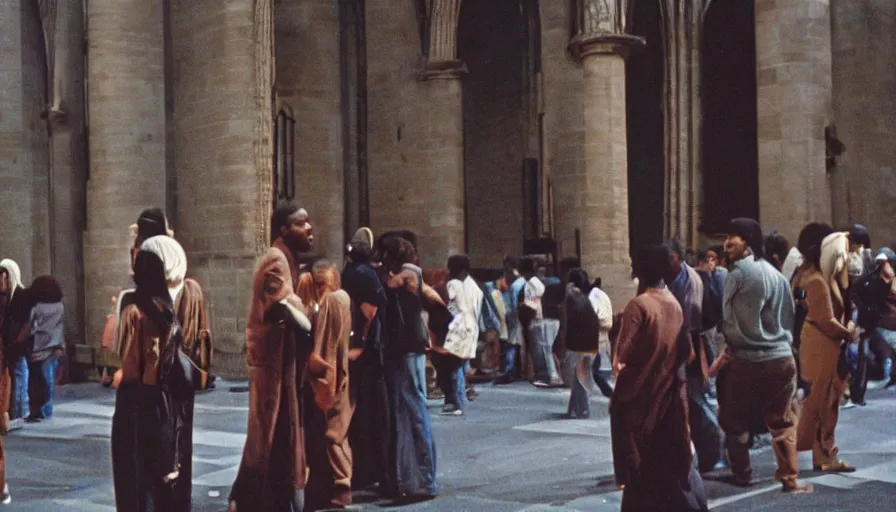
355, 353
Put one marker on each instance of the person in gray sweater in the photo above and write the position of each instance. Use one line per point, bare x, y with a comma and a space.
47, 334
759, 369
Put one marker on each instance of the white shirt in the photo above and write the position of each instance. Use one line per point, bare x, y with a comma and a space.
603, 306
465, 304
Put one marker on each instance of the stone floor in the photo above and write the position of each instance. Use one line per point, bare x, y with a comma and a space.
511, 452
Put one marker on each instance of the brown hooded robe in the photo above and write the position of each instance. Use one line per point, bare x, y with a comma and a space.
276, 353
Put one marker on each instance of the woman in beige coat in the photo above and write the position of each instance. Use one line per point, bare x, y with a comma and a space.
824, 278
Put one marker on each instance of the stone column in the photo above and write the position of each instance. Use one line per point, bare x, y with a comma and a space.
126, 138
67, 147
444, 232
223, 121
596, 201
793, 66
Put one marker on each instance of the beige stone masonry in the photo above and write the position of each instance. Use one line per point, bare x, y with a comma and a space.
793, 66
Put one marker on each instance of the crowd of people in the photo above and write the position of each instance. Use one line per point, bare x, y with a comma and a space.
717, 347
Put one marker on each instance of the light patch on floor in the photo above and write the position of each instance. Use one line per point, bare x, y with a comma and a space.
569, 427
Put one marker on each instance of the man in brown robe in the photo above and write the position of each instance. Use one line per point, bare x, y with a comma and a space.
326, 403
272, 474
649, 407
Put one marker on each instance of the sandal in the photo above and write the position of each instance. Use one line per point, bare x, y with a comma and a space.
834, 467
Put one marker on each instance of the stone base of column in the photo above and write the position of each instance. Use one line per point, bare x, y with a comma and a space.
442, 70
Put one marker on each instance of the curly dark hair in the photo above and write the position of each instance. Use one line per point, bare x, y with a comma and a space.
397, 252
45, 289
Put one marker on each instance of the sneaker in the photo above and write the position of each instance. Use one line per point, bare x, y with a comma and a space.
451, 410
472, 395
541, 384
16, 424
874, 385
848, 405
5, 498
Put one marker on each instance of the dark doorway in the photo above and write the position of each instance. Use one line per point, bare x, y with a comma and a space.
730, 147
644, 116
494, 39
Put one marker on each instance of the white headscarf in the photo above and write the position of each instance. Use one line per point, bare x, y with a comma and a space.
792, 262
834, 260
173, 258
15, 275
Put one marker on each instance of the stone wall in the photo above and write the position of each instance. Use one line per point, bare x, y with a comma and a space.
864, 42
127, 142
223, 125
564, 119
491, 43
415, 141
793, 66
15, 161
306, 46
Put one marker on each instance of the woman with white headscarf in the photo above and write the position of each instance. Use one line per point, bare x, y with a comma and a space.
153, 422
825, 279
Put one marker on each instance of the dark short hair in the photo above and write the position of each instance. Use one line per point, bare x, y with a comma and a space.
282, 214
527, 265
751, 233
397, 251
810, 239
777, 244
579, 278
46, 289
675, 246
458, 263
858, 235
719, 250
151, 222
511, 262
359, 251
652, 263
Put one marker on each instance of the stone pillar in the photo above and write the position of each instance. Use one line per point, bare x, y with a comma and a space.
793, 66
445, 230
596, 201
223, 60
415, 143
127, 142
308, 86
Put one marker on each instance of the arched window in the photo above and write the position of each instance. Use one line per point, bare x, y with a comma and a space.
284, 160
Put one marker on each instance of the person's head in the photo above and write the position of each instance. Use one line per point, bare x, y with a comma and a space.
717, 252
776, 248
151, 222
652, 264
10, 277
809, 242
677, 255
886, 261
459, 266
173, 259
579, 278
379, 248
706, 261
326, 277
744, 238
397, 252
541, 267
567, 264
511, 267
598, 283
859, 238
527, 267
291, 224
46, 290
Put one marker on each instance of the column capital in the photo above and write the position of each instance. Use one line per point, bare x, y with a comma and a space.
583, 45
442, 70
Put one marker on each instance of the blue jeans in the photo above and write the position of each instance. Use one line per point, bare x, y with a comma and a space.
508, 363
413, 456
21, 404
579, 397
544, 333
704, 423
40, 386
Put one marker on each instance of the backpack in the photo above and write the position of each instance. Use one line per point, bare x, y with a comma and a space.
583, 324
488, 315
